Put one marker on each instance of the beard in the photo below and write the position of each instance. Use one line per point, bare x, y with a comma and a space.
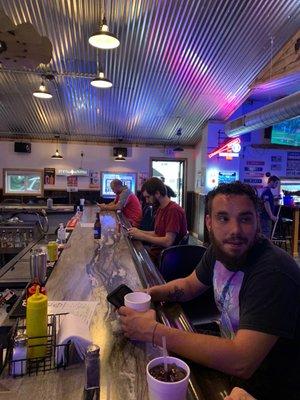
232, 262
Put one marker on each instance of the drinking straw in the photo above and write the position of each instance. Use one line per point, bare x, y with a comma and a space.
165, 353
148, 287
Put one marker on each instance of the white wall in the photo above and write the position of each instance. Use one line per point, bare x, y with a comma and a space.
96, 157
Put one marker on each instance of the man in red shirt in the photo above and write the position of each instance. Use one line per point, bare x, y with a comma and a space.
170, 220
126, 201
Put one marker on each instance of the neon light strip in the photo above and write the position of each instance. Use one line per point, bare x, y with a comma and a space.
225, 148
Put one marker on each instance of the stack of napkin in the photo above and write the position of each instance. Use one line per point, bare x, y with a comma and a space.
72, 329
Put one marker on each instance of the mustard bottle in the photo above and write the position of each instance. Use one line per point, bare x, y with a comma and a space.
36, 323
52, 248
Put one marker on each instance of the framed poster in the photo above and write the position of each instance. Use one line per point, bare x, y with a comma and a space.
72, 183
94, 180
49, 176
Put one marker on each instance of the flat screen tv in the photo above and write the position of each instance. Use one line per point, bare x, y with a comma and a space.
127, 178
287, 132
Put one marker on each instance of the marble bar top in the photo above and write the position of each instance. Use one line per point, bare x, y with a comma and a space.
88, 270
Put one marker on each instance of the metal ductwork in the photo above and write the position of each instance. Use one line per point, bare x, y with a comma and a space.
281, 110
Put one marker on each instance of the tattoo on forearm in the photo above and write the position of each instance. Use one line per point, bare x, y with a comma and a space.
176, 295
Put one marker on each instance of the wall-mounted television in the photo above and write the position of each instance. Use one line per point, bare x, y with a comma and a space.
127, 178
287, 132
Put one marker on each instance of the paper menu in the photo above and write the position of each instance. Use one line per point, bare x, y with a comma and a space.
82, 309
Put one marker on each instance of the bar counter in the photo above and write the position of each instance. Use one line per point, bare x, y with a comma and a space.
86, 271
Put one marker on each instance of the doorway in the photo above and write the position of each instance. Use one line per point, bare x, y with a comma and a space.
173, 172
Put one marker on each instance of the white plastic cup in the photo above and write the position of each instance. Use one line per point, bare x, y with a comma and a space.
159, 390
138, 301
81, 202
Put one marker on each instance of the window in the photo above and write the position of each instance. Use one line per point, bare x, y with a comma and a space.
23, 182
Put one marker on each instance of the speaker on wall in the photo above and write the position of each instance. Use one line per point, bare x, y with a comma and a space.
120, 150
21, 147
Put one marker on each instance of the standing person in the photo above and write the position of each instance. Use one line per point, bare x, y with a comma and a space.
170, 224
267, 217
257, 290
126, 201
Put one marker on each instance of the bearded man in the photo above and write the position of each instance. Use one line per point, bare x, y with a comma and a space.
257, 290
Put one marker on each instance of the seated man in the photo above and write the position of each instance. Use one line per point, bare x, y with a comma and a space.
257, 290
126, 201
170, 224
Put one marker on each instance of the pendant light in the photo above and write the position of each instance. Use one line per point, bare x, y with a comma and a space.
56, 155
101, 82
178, 147
104, 39
120, 158
42, 92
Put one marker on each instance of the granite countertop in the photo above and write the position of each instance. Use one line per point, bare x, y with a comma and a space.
88, 270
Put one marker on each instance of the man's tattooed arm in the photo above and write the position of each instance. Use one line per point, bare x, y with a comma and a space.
176, 294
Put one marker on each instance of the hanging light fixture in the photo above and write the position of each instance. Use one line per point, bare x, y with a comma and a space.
56, 155
104, 39
42, 92
120, 157
178, 147
81, 155
101, 81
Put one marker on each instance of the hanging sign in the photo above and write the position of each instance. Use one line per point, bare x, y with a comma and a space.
228, 149
75, 172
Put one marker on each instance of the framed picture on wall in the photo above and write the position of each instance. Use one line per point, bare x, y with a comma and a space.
25, 182
49, 176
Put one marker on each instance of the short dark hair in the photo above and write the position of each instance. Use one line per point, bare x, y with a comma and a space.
154, 185
236, 188
116, 182
273, 178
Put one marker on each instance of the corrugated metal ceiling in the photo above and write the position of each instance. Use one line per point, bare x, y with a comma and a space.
179, 64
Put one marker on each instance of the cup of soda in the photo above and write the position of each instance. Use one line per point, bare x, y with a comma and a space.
170, 384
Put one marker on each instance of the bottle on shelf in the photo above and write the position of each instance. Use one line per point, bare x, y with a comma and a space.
30, 236
3, 239
36, 324
97, 227
61, 234
24, 239
10, 240
18, 242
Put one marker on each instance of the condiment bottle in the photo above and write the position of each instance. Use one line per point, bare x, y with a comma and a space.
52, 249
19, 356
61, 234
97, 227
92, 373
36, 323
32, 289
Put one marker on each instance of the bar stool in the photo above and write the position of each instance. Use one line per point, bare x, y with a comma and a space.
179, 262
283, 234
